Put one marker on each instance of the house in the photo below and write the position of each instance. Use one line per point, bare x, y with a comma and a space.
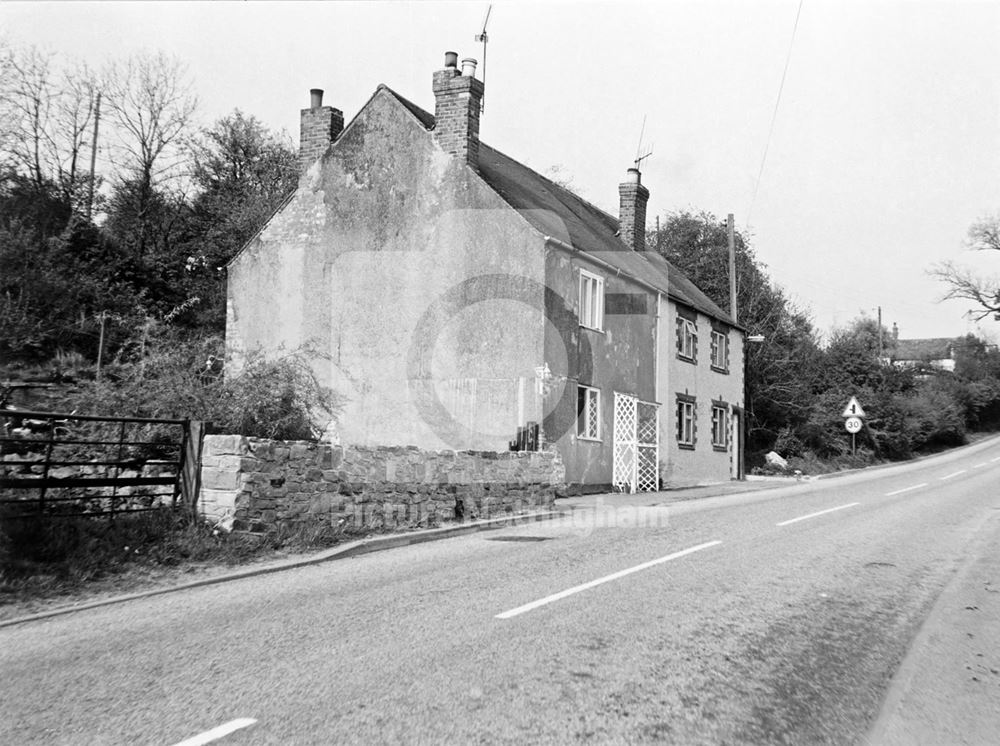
463, 301
937, 352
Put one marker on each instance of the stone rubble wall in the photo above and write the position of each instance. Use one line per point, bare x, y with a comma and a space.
264, 483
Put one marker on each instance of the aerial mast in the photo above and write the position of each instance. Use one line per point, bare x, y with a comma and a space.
484, 38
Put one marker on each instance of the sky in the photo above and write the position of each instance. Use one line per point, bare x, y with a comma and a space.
885, 145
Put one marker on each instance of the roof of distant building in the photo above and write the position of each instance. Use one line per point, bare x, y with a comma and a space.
935, 348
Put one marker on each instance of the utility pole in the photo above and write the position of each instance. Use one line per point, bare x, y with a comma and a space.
732, 266
93, 169
100, 344
880, 333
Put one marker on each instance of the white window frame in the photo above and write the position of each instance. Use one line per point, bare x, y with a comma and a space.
592, 405
687, 413
688, 339
720, 350
591, 297
720, 422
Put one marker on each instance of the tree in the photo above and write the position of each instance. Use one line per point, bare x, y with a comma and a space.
152, 107
244, 172
46, 117
779, 371
963, 283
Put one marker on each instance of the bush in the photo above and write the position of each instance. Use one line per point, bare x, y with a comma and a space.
162, 374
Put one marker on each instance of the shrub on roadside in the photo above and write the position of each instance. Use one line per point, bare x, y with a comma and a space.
162, 374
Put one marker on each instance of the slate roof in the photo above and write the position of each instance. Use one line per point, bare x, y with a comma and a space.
936, 348
555, 211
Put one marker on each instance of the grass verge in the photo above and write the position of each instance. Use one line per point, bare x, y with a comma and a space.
56, 561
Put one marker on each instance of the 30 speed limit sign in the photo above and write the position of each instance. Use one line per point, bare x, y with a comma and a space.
852, 425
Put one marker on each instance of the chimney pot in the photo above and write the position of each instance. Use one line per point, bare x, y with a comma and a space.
469, 67
315, 98
633, 176
451, 59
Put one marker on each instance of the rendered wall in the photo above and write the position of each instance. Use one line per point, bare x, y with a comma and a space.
703, 464
620, 358
421, 286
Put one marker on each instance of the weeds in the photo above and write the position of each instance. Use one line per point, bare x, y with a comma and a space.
42, 558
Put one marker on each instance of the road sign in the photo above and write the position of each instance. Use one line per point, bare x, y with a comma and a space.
852, 425
853, 409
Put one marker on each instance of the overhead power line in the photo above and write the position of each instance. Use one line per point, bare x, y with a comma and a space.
774, 114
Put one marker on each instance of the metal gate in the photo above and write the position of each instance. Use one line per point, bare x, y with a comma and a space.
82, 465
637, 445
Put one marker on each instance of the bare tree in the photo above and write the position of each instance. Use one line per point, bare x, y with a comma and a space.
73, 118
963, 283
45, 117
28, 100
149, 96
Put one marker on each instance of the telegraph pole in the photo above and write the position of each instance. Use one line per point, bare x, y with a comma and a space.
732, 266
880, 333
93, 163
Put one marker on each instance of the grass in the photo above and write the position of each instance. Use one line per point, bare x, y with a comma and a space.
61, 560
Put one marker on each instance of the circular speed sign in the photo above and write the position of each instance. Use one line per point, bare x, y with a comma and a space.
852, 425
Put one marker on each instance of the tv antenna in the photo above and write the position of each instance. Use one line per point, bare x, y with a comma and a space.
639, 155
484, 38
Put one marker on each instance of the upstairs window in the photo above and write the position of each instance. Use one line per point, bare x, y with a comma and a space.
720, 351
687, 339
588, 410
720, 431
591, 300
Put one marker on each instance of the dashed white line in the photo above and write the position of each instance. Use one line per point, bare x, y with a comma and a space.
953, 474
605, 579
980, 466
906, 489
216, 733
995, 459
813, 515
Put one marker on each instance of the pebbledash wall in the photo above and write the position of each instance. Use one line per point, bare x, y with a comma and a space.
264, 483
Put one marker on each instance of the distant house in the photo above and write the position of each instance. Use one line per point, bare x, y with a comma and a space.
466, 302
937, 352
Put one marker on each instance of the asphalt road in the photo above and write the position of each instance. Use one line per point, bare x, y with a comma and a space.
771, 617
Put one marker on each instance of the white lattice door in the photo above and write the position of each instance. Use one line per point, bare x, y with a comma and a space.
625, 450
637, 445
647, 436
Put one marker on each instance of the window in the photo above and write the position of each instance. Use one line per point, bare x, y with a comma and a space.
687, 339
591, 300
720, 351
720, 431
588, 410
686, 421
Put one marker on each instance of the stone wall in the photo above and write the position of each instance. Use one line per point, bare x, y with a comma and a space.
263, 483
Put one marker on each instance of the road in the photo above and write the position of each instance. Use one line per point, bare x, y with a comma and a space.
778, 616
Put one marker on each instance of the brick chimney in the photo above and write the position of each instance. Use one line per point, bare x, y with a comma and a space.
632, 210
458, 99
319, 126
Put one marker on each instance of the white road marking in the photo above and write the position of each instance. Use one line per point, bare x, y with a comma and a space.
995, 459
216, 733
906, 489
980, 466
953, 474
605, 579
813, 515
